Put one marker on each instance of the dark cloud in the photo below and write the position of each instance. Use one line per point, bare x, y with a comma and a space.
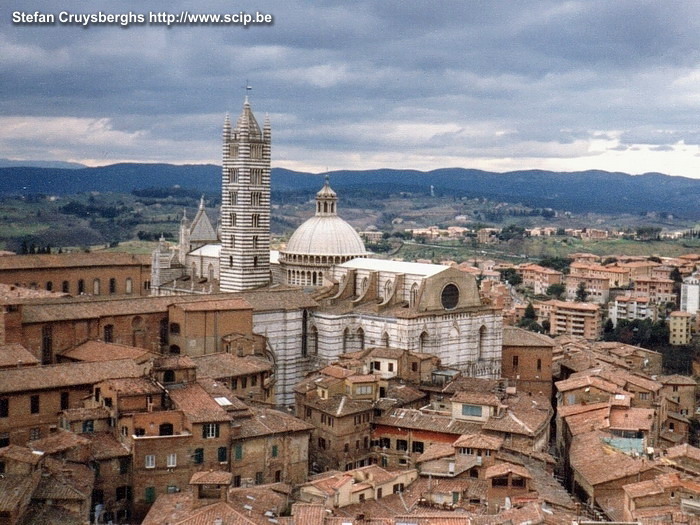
394, 83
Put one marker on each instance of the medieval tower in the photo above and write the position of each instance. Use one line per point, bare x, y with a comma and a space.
244, 262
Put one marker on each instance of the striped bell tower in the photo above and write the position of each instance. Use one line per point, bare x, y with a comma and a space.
245, 204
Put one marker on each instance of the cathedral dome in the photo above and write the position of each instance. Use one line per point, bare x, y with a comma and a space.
326, 235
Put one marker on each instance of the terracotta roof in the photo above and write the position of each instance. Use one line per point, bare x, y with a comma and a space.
502, 469
574, 383
476, 398
436, 451
598, 462
58, 442
178, 509
310, 513
386, 353
683, 451
524, 415
15, 491
225, 365
267, 422
14, 354
174, 362
71, 374
72, 260
481, 441
91, 307
101, 351
409, 418
211, 477
236, 408
216, 305
133, 386
105, 446
676, 379
588, 421
514, 336
21, 454
81, 414
197, 405
631, 419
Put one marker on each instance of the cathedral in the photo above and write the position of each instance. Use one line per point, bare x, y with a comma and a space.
350, 300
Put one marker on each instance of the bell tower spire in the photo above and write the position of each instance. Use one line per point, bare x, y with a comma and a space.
244, 262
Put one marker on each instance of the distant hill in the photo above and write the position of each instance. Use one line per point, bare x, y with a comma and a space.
586, 191
9, 163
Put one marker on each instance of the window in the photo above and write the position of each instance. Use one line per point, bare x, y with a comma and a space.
516, 361
256, 151
418, 447
210, 430
129, 286
244, 382
81, 286
34, 404
414, 367
150, 461
274, 451
108, 333
124, 465
255, 220
149, 494
49, 286
234, 384
238, 451
5, 407
377, 365
222, 454
471, 410
34, 434
253, 380
255, 198
363, 389
198, 456
233, 198
398, 487
166, 429
108, 402
258, 478
4, 439
233, 219
236, 481
65, 287
139, 432
124, 492
644, 396
46, 345
88, 426
175, 328
256, 176
171, 461
112, 285
278, 476
385, 442
401, 444
391, 367
539, 365
169, 375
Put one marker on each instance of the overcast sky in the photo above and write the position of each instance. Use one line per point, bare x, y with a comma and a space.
500, 86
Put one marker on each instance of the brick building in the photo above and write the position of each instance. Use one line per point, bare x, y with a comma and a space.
527, 360
79, 273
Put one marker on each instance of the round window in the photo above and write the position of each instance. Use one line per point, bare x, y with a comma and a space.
450, 296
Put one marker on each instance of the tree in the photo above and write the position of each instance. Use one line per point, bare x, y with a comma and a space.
510, 276
581, 292
556, 290
530, 312
608, 330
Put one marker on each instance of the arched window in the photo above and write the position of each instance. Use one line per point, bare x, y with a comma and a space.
387, 289
96, 287
480, 342
414, 296
346, 339
325, 207
385, 340
361, 338
423, 342
364, 286
314, 340
304, 333
313, 279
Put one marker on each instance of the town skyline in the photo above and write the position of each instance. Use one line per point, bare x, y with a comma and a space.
553, 86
